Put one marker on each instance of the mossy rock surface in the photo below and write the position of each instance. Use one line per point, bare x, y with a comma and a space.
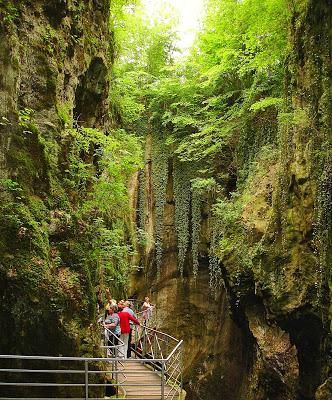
48, 289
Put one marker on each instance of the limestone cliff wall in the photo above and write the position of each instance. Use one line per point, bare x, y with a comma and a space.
217, 355
54, 62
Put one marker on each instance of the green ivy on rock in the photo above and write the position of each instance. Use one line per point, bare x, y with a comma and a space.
196, 201
182, 194
215, 281
159, 182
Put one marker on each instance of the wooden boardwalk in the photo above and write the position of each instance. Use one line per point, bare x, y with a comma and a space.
136, 373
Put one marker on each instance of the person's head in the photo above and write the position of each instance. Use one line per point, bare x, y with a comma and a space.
127, 303
147, 300
113, 309
121, 305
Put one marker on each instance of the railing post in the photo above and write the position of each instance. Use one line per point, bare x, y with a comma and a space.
163, 380
116, 376
86, 369
181, 375
144, 342
137, 341
156, 354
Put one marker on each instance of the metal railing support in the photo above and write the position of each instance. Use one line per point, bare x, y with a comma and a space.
152, 348
116, 376
144, 342
181, 369
163, 380
86, 369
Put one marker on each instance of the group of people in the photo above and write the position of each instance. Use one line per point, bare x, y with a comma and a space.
120, 319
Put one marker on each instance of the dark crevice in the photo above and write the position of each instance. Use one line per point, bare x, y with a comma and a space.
55, 11
91, 93
307, 334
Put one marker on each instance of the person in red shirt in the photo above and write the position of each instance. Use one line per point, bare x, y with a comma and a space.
125, 317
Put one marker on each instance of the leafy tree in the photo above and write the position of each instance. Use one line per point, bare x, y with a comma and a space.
218, 107
232, 80
145, 48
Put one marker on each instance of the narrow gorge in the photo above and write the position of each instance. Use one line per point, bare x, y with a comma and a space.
202, 180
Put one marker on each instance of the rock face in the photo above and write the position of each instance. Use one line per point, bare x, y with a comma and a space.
54, 61
267, 333
311, 90
217, 354
64, 169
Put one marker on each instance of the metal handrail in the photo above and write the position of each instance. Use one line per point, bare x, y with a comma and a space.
89, 359
155, 331
171, 364
117, 337
165, 349
174, 350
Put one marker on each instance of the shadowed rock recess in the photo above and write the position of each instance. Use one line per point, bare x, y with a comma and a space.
259, 331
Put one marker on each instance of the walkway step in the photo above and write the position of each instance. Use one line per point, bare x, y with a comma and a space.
137, 373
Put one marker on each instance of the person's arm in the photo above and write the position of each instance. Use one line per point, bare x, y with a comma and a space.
109, 324
112, 325
108, 295
135, 320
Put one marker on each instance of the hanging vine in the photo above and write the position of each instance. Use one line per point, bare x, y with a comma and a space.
159, 182
182, 194
323, 221
141, 199
285, 141
195, 227
215, 281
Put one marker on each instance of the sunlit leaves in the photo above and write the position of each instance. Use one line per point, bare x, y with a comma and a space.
266, 102
248, 35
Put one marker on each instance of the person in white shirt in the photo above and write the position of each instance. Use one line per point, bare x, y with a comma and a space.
147, 310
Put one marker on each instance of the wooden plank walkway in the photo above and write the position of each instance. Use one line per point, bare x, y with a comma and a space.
137, 373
